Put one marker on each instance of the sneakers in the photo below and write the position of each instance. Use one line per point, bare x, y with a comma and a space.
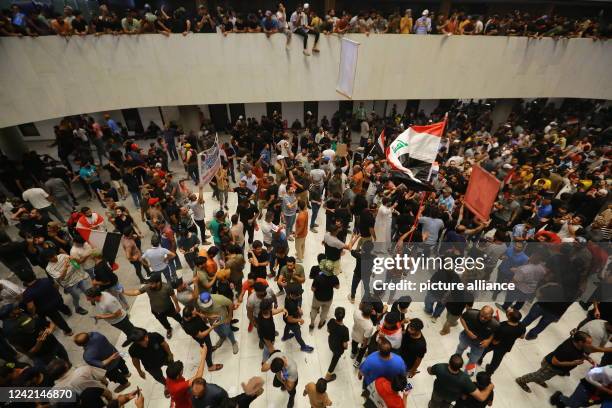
314, 230
311, 327
235, 347
555, 399
81, 311
306, 53
169, 334
350, 298
307, 349
289, 336
330, 378
250, 328
434, 319
321, 324
530, 336
356, 364
500, 306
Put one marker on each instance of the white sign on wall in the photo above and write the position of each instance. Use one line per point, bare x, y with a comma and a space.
348, 67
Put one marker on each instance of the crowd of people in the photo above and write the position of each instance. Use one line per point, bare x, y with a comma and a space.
289, 183
303, 21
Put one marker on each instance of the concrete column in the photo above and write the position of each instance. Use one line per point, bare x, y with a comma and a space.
502, 110
189, 117
12, 143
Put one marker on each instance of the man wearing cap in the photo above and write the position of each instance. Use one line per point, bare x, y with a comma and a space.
157, 259
99, 352
423, 24
293, 318
221, 309
162, 299
149, 349
269, 24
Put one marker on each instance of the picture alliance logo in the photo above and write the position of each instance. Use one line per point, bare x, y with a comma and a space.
412, 264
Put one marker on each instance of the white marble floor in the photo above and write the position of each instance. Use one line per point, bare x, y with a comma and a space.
345, 391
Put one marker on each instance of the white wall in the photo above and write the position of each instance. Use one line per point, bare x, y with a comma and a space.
255, 110
150, 114
50, 77
292, 111
401, 106
328, 108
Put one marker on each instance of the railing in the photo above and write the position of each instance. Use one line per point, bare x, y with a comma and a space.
50, 77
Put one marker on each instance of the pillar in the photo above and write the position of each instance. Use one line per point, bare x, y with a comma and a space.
189, 117
501, 112
12, 143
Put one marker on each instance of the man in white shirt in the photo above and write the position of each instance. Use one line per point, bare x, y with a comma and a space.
108, 308
42, 201
597, 380
77, 379
72, 278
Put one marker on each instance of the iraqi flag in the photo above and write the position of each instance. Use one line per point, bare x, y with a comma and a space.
381, 141
413, 151
105, 242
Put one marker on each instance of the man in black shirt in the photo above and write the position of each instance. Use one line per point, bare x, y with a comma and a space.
366, 225
195, 326
243, 192
477, 334
150, 349
338, 341
31, 335
456, 303
247, 212
293, 319
413, 346
567, 356
503, 339
259, 260
323, 286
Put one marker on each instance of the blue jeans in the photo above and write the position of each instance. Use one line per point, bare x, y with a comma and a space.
430, 299
169, 274
579, 398
476, 349
76, 290
289, 221
136, 197
315, 212
225, 331
546, 319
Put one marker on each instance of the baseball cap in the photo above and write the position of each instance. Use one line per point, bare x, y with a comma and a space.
153, 201
306, 5
206, 300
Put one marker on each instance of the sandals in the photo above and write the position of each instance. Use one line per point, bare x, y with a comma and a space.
215, 367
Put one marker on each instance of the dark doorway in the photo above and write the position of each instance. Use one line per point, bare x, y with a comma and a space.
218, 116
132, 120
236, 110
412, 105
273, 106
312, 107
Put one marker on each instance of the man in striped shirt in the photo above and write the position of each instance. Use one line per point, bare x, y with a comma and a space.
72, 278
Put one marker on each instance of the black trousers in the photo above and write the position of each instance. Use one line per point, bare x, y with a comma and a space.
163, 318
209, 349
249, 229
125, 325
304, 33
156, 372
334, 361
276, 383
138, 268
359, 351
118, 374
202, 225
55, 316
297, 332
498, 355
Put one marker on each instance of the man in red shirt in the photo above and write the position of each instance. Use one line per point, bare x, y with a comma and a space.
388, 393
177, 386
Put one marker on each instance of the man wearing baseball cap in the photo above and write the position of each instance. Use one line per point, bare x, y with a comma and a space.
219, 309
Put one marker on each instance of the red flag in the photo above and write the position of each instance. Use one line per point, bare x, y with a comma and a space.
481, 192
